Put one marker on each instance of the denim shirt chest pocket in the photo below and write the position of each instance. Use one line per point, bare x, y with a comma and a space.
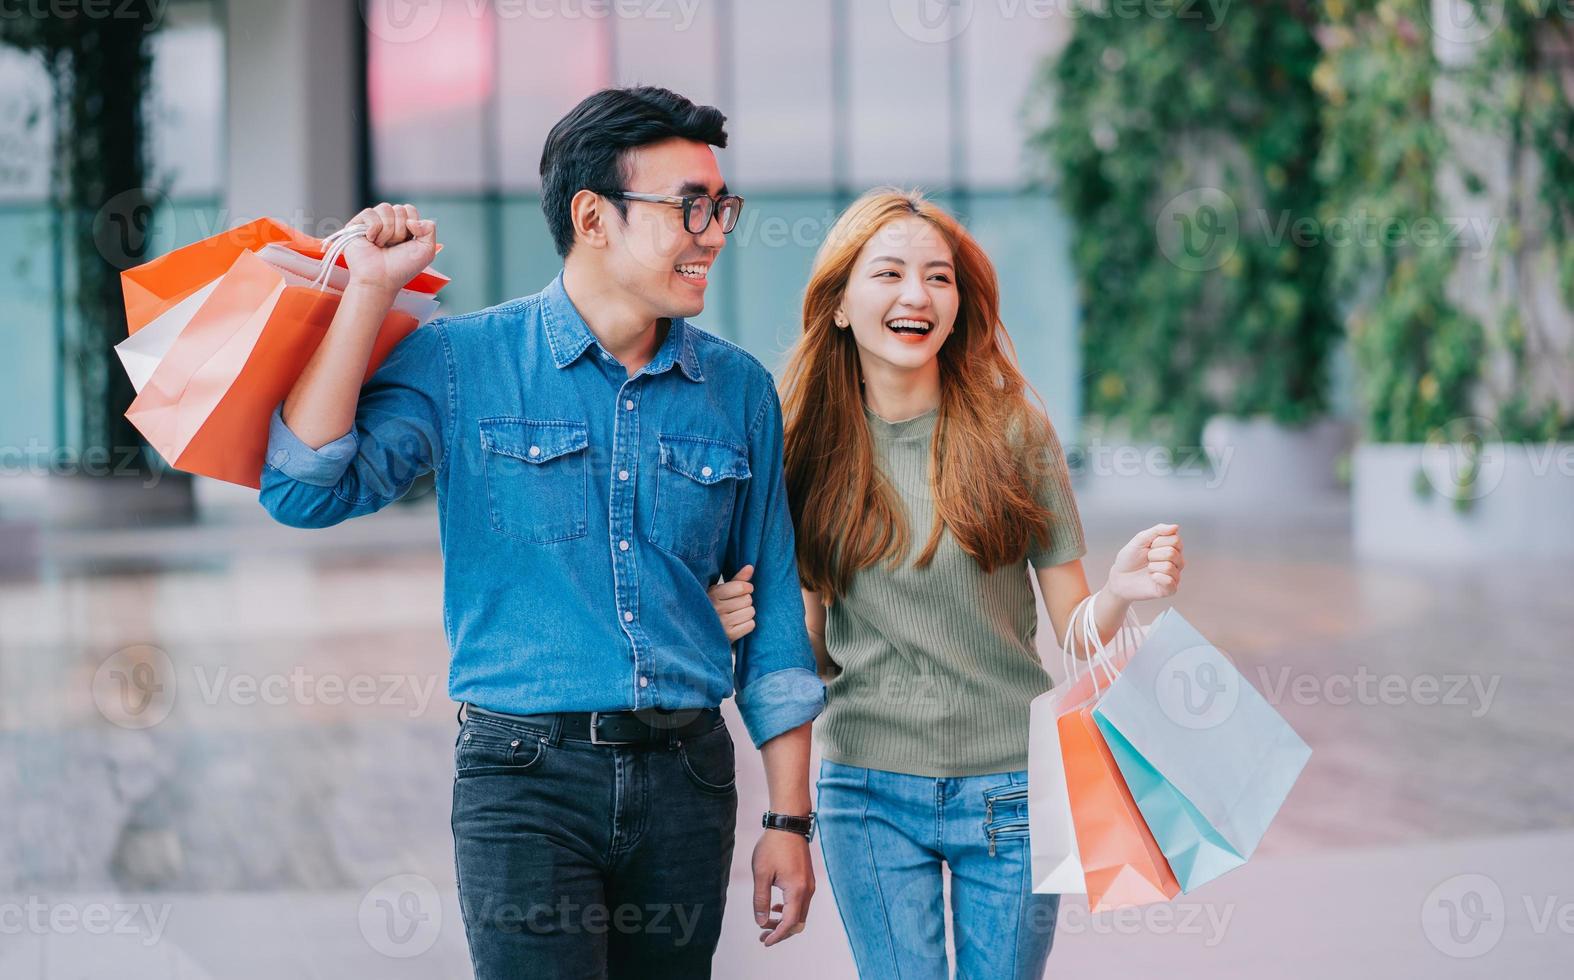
536, 477
697, 484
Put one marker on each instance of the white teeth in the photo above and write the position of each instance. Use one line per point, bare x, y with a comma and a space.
910, 325
692, 271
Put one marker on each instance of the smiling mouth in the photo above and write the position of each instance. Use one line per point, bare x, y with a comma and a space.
693, 272
908, 325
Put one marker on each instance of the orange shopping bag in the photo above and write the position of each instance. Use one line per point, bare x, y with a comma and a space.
206, 401
155, 287
1121, 863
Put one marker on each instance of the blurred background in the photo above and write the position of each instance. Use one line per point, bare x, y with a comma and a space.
1297, 276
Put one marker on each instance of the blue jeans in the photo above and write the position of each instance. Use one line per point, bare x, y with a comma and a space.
884, 836
591, 861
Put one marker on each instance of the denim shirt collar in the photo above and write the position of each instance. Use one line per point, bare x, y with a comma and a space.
569, 336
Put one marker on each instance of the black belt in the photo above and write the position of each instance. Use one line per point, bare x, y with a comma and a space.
645, 726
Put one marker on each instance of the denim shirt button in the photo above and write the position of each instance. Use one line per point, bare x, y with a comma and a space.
644, 682
705, 471
628, 403
535, 450
623, 474
628, 617
623, 546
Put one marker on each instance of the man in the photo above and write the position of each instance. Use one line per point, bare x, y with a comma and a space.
599, 462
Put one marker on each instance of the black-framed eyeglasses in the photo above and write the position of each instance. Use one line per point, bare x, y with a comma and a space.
698, 209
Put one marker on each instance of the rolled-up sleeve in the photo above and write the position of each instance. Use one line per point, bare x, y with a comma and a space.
774, 670
403, 420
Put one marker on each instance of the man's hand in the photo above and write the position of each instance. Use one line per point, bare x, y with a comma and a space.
734, 602
399, 243
781, 858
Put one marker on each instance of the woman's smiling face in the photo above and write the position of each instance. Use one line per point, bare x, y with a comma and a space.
901, 295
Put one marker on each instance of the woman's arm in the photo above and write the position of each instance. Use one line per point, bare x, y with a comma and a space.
814, 622
1148, 567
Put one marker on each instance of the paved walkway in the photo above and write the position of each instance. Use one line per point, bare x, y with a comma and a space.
288, 813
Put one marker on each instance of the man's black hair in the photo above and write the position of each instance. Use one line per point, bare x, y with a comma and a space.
586, 148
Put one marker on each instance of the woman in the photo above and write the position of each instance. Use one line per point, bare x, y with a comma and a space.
923, 483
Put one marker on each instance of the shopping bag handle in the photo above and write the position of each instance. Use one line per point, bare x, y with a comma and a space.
1100, 660
333, 247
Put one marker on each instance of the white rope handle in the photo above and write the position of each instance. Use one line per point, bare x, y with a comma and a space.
1100, 659
1092, 641
1068, 663
333, 247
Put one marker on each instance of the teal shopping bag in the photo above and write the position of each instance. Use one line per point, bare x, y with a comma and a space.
1207, 759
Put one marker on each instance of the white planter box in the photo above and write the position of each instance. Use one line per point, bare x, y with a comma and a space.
1252, 464
1258, 460
1522, 504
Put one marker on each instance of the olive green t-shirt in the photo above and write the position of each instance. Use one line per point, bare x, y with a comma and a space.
938, 665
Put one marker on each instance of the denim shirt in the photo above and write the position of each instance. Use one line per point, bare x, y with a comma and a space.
583, 512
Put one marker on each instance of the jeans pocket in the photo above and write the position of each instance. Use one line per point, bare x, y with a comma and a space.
709, 761
484, 750
697, 484
1005, 814
536, 477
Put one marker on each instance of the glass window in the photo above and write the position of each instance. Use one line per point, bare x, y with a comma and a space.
781, 131
1028, 238
187, 109
548, 64
900, 111
26, 126
431, 72
1001, 52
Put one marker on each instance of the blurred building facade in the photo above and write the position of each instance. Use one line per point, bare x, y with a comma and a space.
306, 110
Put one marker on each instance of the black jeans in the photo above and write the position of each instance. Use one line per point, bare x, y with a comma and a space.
580, 860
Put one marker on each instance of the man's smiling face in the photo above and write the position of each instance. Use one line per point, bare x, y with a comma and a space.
651, 255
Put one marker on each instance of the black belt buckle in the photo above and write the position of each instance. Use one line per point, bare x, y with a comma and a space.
595, 733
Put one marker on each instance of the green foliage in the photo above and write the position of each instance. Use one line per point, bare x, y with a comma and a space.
1184, 152
1513, 93
1389, 111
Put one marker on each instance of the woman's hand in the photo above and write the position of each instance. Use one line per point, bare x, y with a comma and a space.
1149, 566
734, 602
399, 244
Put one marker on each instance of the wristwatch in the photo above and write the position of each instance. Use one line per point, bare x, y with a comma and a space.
784, 821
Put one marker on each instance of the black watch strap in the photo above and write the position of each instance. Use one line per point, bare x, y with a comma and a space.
783, 821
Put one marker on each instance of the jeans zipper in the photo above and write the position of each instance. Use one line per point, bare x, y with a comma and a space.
995, 830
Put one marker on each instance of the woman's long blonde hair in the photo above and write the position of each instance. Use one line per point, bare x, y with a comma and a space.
988, 437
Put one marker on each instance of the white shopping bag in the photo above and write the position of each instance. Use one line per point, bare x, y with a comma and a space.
1052, 838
